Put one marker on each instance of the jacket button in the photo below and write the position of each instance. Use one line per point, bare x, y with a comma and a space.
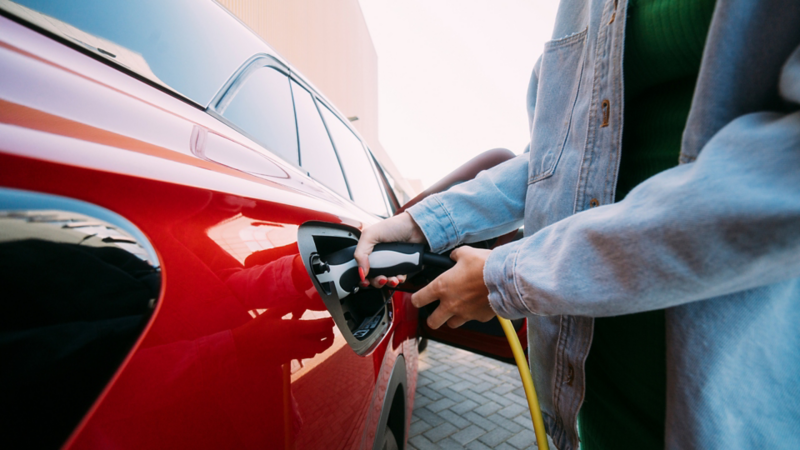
594, 203
606, 110
570, 374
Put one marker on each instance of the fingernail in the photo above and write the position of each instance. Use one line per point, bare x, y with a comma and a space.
361, 273
382, 282
363, 284
393, 283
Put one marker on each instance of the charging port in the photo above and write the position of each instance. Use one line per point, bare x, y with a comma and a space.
362, 316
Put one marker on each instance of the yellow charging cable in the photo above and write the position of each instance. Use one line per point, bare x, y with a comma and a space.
527, 382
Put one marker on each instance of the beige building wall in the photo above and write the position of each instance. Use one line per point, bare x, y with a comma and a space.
329, 43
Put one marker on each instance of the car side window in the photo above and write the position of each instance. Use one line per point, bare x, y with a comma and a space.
317, 156
262, 107
357, 167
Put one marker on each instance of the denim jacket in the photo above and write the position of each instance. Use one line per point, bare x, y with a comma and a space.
715, 241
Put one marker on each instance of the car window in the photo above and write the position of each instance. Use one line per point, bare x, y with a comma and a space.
357, 168
188, 46
317, 156
262, 107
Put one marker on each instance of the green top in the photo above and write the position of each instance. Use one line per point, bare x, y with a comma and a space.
625, 399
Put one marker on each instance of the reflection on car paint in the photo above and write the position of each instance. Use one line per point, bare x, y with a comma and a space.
78, 291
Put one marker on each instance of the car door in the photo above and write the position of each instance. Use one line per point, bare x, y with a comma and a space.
226, 344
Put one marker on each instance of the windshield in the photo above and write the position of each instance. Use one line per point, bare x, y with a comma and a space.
191, 47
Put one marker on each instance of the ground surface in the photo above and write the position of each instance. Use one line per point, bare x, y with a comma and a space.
468, 401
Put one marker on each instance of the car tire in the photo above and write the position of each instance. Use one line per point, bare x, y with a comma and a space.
389, 442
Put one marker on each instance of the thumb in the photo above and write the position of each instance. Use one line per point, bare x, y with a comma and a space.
457, 254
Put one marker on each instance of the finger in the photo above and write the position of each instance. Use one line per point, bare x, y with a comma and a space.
394, 281
427, 294
439, 317
456, 322
457, 253
379, 281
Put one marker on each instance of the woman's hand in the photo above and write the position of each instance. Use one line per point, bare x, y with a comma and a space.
400, 228
461, 291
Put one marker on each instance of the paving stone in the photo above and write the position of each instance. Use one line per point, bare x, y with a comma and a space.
454, 418
439, 405
482, 387
511, 411
464, 400
422, 443
452, 395
524, 421
463, 407
472, 395
429, 416
441, 384
418, 427
486, 409
503, 389
480, 421
458, 387
494, 437
506, 423
428, 392
440, 432
523, 439
420, 401
477, 445
501, 399
468, 434
449, 444
450, 376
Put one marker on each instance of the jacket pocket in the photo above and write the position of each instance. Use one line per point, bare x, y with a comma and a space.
559, 79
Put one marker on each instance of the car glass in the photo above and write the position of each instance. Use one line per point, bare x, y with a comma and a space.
357, 168
262, 107
317, 156
188, 46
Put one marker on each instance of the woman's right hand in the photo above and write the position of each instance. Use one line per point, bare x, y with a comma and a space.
400, 228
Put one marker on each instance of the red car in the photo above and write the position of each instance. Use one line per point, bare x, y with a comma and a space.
165, 181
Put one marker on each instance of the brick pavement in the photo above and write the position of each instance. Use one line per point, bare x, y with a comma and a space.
464, 400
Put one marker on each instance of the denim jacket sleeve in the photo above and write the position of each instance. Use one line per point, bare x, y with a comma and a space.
489, 206
727, 222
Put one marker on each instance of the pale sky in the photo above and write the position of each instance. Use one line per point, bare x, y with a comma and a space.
452, 77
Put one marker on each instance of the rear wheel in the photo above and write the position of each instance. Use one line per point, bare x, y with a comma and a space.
389, 442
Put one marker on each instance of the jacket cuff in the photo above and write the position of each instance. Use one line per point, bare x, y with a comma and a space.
436, 223
498, 274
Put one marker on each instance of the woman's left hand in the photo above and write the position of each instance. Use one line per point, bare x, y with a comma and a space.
461, 292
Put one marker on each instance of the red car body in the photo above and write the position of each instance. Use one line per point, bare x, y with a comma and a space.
237, 349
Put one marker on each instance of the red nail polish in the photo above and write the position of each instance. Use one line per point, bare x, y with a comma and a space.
393, 283
382, 282
361, 274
